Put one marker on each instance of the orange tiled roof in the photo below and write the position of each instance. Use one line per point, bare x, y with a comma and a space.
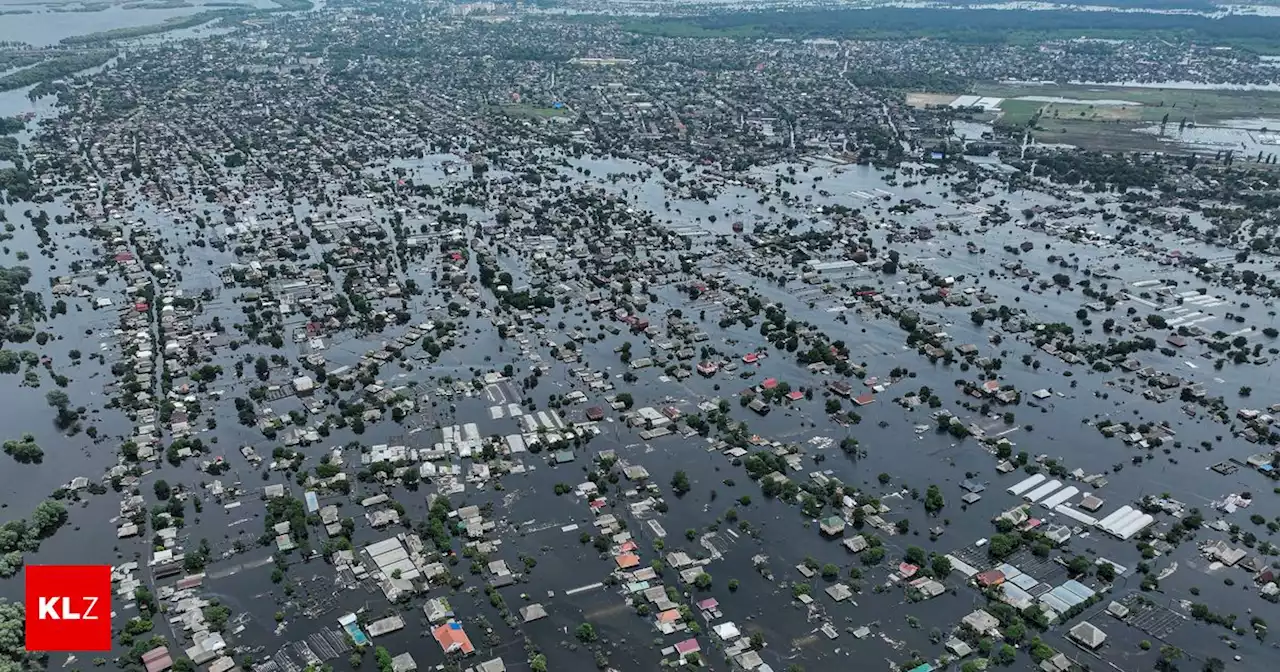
453, 638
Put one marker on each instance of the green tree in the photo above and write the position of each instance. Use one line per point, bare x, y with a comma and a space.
24, 451
1169, 656
586, 633
13, 655
680, 483
48, 516
1002, 546
1015, 631
57, 399
383, 658
933, 501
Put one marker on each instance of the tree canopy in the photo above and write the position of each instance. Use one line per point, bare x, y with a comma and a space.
13, 654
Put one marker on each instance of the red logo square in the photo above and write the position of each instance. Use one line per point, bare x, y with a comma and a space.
68, 608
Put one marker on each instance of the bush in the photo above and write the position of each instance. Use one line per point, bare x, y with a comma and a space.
25, 451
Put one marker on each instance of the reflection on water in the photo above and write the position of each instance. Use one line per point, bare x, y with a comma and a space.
1079, 101
47, 28
1246, 138
1185, 85
970, 130
1255, 124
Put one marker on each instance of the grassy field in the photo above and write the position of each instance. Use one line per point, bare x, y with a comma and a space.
1105, 113
1097, 136
1109, 118
1018, 112
1197, 106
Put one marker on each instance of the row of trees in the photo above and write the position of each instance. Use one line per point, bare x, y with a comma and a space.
18, 537
54, 68
13, 653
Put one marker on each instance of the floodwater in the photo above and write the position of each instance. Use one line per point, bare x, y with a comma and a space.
1246, 142
1056, 426
1202, 86
1079, 101
88, 330
969, 130
531, 517
1257, 124
42, 29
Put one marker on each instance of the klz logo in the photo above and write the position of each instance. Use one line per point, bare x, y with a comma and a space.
59, 609
68, 607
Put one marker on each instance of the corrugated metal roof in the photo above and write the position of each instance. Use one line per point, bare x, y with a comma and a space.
1054, 603
1024, 581
1085, 592
1026, 484
1066, 596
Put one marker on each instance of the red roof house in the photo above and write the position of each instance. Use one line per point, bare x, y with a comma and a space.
993, 577
687, 647
452, 638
